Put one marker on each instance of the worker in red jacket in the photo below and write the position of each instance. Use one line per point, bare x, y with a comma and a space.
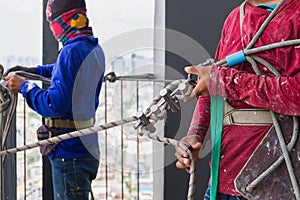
244, 89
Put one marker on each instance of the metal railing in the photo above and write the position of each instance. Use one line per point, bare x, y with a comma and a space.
125, 170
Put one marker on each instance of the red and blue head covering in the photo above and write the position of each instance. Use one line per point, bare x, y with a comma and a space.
68, 19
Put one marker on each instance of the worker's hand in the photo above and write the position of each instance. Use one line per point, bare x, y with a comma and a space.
20, 68
203, 73
14, 82
194, 144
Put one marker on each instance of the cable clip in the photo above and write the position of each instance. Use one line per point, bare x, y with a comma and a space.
144, 121
172, 102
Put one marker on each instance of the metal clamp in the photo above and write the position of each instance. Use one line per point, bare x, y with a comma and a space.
144, 121
172, 102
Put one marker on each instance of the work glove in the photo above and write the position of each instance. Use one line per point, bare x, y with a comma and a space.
20, 68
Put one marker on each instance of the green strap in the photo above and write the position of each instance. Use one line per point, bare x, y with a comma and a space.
216, 120
216, 124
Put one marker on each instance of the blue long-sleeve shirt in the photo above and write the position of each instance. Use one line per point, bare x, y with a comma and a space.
76, 80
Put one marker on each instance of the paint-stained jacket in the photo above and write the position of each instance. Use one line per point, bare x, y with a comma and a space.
244, 89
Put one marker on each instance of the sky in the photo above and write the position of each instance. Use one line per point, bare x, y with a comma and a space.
21, 24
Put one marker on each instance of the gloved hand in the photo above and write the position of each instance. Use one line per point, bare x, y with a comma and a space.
20, 68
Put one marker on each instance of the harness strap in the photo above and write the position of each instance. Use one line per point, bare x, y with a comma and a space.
67, 123
216, 120
246, 117
217, 112
242, 14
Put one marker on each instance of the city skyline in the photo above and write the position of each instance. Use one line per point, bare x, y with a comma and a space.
23, 25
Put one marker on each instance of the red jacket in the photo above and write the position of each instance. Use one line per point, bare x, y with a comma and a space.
244, 89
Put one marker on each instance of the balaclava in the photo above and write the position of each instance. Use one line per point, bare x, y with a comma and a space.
68, 19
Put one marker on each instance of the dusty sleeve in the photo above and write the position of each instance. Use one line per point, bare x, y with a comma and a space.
201, 118
279, 94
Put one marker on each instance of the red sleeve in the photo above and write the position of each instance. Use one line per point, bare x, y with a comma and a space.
279, 94
201, 118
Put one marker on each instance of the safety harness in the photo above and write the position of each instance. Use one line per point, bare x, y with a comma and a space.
67, 123
168, 100
217, 106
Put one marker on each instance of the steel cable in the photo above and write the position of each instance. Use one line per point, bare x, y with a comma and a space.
152, 115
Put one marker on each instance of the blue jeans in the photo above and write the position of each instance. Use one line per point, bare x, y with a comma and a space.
221, 196
72, 177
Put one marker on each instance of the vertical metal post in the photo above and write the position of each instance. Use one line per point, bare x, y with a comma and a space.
106, 152
159, 60
50, 47
24, 153
9, 170
122, 145
138, 144
1, 160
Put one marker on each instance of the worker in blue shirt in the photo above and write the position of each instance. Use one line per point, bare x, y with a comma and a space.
71, 100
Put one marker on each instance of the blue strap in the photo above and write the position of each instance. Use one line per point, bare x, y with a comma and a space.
269, 8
